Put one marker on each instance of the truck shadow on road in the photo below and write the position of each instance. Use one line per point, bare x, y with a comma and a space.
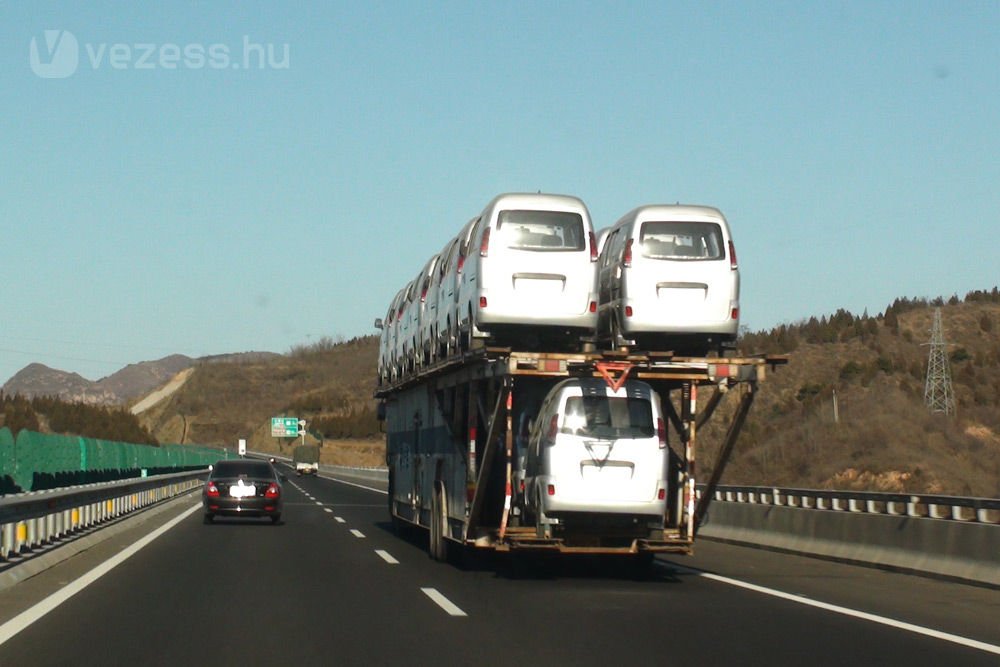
546, 566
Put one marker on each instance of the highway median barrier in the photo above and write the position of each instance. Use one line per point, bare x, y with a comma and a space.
950, 537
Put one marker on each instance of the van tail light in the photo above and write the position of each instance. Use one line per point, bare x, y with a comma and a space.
661, 432
553, 427
551, 489
423, 294
736, 313
593, 307
732, 256
212, 491
273, 491
484, 245
661, 494
461, 263
593, 247
482, 302
627, 255
628, 311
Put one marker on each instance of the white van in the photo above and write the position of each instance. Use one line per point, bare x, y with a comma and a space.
400, 329
668, 280
422, 307
452, 265
529, 277
387, 340
597, 455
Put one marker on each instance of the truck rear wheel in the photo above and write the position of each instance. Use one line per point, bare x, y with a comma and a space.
438, 545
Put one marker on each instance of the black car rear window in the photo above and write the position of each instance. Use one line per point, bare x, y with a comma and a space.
237, 468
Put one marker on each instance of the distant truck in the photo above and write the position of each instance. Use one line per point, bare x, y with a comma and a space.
306, 459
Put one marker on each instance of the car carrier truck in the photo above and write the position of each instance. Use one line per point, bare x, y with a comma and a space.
456, 432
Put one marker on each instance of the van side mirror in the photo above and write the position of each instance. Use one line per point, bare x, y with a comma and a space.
378, 322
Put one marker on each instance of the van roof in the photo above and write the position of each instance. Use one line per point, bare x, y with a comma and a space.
578, 386
676, 212
538, 200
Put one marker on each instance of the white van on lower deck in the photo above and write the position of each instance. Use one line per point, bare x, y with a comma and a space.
596, 454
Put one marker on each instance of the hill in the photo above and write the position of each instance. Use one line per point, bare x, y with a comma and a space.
133, 381
882, 437
328, 384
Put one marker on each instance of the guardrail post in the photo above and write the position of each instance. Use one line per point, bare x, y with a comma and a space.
6, 540
19, 536
915, 507
32, 533
937, 511
960, 513
984, 515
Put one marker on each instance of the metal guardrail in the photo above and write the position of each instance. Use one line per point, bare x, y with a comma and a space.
31, 520
952, 508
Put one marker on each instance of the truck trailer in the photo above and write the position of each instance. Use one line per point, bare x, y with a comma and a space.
456, 433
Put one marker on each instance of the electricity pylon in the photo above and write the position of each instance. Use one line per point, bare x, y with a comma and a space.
938, 393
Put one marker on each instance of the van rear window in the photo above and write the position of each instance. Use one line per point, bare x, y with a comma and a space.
541, 230
608, 417
682, 240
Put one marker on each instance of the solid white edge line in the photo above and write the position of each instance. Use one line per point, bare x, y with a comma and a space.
443, 602
387, 557
873, 618
360, 486
357, 533
34, 613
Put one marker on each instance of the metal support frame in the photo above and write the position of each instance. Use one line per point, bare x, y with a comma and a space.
489, 452
727, 449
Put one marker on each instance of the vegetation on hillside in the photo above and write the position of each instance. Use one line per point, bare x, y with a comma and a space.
327, 383
848, 411
52, 415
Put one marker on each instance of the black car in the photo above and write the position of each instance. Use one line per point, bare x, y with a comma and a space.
243, 487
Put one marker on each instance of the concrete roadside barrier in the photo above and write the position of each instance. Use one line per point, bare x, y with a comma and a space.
941, 547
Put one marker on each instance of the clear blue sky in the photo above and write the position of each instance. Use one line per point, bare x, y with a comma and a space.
154, 202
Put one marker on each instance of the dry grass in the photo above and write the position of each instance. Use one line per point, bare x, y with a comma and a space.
885, 438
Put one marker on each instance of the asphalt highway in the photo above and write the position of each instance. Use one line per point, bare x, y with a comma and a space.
332, 584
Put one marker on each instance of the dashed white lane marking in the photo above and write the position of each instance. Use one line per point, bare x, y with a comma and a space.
339, 519
319, 503
29, 616
328, 510
360, 486
873, 618
387, 557
357, 533
443, 602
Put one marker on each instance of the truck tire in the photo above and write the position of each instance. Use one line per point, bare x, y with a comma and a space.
395, 522
438, 545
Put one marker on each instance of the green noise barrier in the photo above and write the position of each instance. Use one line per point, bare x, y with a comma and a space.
36, 461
